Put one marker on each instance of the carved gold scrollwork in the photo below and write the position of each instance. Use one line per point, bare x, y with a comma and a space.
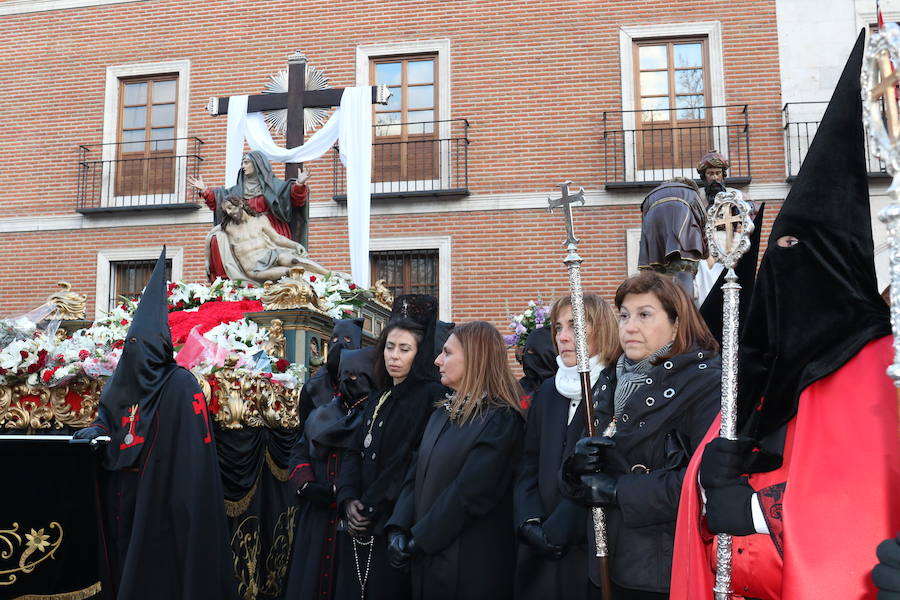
290, 292
38, 546
68, 304
38, 408
254, 401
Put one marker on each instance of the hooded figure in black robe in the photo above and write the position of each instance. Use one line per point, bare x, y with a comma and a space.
384, 446
315, 465
322, 387
538, 362
167, 536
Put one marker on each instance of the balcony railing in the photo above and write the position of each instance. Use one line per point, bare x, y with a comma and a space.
425, 159
801, 121
138, 175
642, 148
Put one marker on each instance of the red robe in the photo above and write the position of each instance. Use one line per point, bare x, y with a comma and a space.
299, 196
841, 477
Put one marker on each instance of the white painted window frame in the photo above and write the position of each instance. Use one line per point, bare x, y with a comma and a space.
712, 30
114, 75
441, 47
632, 250
111, 255
443, 245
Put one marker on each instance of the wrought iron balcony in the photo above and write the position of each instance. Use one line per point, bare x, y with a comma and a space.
801, 121
409, 160
643, 148
138, 175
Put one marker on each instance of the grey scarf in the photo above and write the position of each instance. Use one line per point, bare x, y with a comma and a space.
631, 375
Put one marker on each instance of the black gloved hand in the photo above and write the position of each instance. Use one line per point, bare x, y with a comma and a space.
886, 574
532, 533
723, 462
88, 433
728, 509
589, 457
399, 553
320, 494
596, 489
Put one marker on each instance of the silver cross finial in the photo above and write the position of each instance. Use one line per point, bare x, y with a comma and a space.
565, 201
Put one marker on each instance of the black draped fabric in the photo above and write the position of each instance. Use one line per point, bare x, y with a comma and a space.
167, 535
457, 504
548, 439
63, 556
260, 508
829, 273
316, 459
713, 304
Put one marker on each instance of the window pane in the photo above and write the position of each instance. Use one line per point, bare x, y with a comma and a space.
165, 134
688, 107
421, 96
689, 82
387, 73
420, 71
387, 123
652, 109
134, 141
654, 84
689, 55
421, 121
163, 115
652, 57
135, 93
134, 117
163, 91
395, 101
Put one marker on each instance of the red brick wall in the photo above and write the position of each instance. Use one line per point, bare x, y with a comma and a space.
533, 79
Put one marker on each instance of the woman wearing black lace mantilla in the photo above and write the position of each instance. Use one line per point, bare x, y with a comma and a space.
376, 462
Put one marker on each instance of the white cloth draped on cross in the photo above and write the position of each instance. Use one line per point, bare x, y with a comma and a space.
352, 125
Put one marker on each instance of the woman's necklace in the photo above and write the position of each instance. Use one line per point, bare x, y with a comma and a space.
368, 439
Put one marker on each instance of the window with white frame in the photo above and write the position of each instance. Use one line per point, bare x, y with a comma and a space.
125, 272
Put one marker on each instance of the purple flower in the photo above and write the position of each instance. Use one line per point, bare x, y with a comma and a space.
511, 340
520, 329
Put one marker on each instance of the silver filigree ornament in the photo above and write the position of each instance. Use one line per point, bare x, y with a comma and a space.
883, 46
722, 211
881, 57
312, 117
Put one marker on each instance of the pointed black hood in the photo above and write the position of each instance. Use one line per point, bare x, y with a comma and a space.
815, 304
146, 364
714, 303
346, 334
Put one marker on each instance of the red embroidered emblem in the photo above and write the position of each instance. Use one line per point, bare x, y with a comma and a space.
200, 408
131, 438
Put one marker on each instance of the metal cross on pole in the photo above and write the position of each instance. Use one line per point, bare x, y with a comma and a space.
573, 264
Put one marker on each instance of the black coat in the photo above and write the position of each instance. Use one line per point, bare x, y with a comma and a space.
548, 439
457, 503
660, 427
374, 475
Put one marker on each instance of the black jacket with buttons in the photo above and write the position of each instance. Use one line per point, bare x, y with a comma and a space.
659, 429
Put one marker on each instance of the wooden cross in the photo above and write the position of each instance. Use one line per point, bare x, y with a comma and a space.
295, 100
886, 90
565, 201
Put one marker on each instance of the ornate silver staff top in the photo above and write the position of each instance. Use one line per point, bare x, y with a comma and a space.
879, 80
737, 229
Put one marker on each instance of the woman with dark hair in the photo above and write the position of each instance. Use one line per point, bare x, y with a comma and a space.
553, 552
452, 519
662, 395
388, 436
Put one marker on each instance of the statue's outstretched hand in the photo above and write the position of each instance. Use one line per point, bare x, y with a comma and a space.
302, 175
197, 182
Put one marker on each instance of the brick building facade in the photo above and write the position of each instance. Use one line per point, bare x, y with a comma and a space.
538, 92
